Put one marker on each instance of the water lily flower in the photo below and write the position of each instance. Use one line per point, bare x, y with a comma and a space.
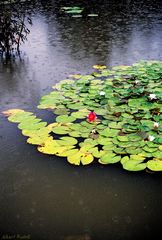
137, 81
102, 93
151, 138
91, 117
152, 96
156, 124
93, 131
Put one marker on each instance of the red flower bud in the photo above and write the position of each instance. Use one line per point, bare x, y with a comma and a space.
91, 117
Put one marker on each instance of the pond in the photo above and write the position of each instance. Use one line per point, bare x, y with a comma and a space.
44, 197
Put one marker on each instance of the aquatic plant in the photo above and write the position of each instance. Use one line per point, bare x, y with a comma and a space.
77, 11
111, 116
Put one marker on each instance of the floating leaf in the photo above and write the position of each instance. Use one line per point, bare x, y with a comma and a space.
66, 141
61, 130
13, 111
77, 16
116, 125
65, 119
109, 158
137, 157
154, 165
133, 150
100, 67
87, 159
80, 157
79, 114
149, 149
40, 132
109, 132
134, 166
123, 138
39, 140
134, 137
18, 116
74, 158
157, 154
104, 140
49, 147
32, 126
95, 15
61, 111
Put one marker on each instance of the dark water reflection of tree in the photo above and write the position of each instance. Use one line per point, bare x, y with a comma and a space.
15, 20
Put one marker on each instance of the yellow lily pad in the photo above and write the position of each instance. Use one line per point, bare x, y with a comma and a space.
9, 112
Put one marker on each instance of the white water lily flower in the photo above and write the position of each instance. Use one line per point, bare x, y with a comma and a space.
102, 93
156, 124
136, 82
152, 96
93, 131
151, 138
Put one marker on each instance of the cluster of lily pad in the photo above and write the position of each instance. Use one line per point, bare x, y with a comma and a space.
113, 115
76, 11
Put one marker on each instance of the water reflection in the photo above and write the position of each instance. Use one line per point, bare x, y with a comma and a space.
42, 195
14, 21
115, 37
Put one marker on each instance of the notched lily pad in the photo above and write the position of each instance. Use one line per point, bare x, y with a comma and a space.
155, 165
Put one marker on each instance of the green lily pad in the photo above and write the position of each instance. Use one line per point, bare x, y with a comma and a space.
133, 165
31, 125
79, 157
116, 125
154, 165
157, 154
27, 122
133, 150
119, 150
109, 158
65, 119
123, 138
134, 137
66, 141
61, 130
61, 111
109, 132
149, 149
75, 134
104, 140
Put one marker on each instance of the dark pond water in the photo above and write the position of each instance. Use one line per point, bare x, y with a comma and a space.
43, 197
